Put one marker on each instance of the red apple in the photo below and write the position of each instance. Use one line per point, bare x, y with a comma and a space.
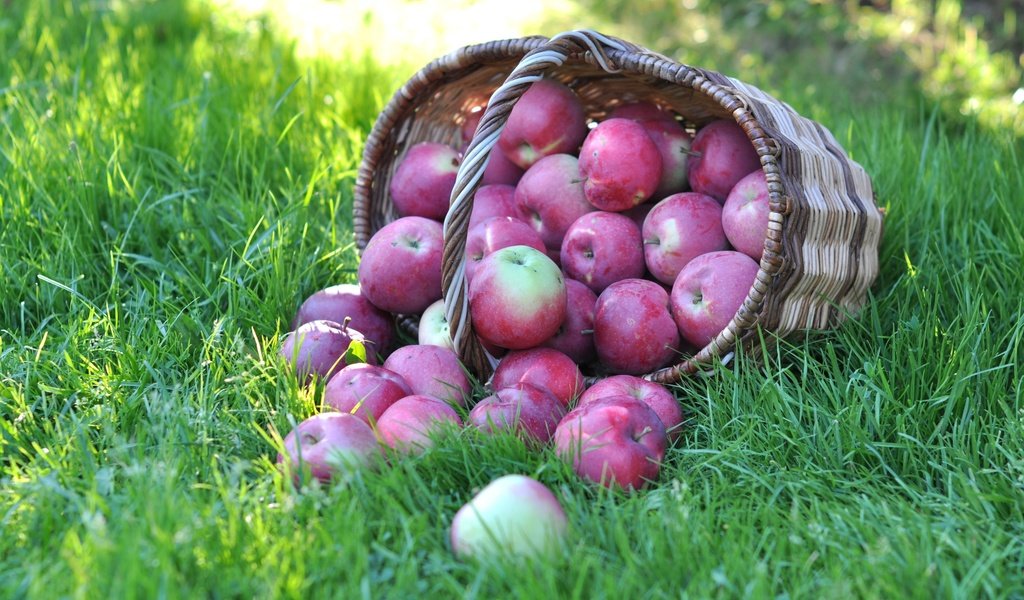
513, 515
409, 424
745, 215
346, 301
493, 201
329, 445
517, 298
431, 371
365, 391
547, 119
318, 349
620, 164
721, 155
501, 171
633, 328
661, 401
601, 248
545, 368
400, 270
550, 198
494, 234
673, 144
615, 441
575, 338
422, 184
678, 229
709, 292
530, 411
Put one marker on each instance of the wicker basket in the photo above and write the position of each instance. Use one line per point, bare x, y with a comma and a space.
821, 251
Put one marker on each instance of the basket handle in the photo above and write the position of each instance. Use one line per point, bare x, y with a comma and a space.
531, 68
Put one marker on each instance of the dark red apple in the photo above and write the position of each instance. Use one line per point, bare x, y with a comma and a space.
661, 401
721, 155
422, 184
633, 327
530, 411
617, 441
545, 368
620, 165
400, 270
601, 248
365, 391
575, 338
547, 119
708, 293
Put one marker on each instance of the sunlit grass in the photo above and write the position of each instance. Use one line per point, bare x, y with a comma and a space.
175, 178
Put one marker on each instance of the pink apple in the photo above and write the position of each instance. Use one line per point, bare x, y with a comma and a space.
318, 349
745, 215
620, 164
641, 111
400, 270
678, 229
513, 515
329, 445
601, 248
617, 441
530, 411
545, 368
410, 423
633, 327
346, 301
433, 328
365, 391
547, 119
494, 234
550, 197
493, 201
709, 292
661, 401
575, 338
431, 371
673, 144
517, 298
722, 155
500, 170
422, 184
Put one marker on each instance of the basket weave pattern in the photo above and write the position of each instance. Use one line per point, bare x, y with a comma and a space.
821, 249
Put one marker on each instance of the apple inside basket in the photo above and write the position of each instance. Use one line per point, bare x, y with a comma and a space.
585, 194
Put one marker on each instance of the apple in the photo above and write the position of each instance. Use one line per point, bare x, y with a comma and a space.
365, 391
517, 298
494, 234
601, 248
641, 111
512, 515
433, 328
500, 170
673, 143
633, 328
545, 368
709, 293
400, 271
495, 200
346, 301
721, 155
617, 441
409, 424
678, 229
661, 401
528, 410
575, 338
431, 371
620, 165
329, 445
745, 215
317, 349
422, 184
547, 119
550, 197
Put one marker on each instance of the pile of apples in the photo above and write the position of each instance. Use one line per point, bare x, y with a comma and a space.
608, 248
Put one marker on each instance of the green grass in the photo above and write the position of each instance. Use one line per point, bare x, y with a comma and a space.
173, 182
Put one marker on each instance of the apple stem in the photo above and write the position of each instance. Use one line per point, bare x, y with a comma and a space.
587, 332
652, 242
692, 153
643, 432
345, 322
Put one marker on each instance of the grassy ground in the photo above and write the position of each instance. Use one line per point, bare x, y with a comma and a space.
173, 182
